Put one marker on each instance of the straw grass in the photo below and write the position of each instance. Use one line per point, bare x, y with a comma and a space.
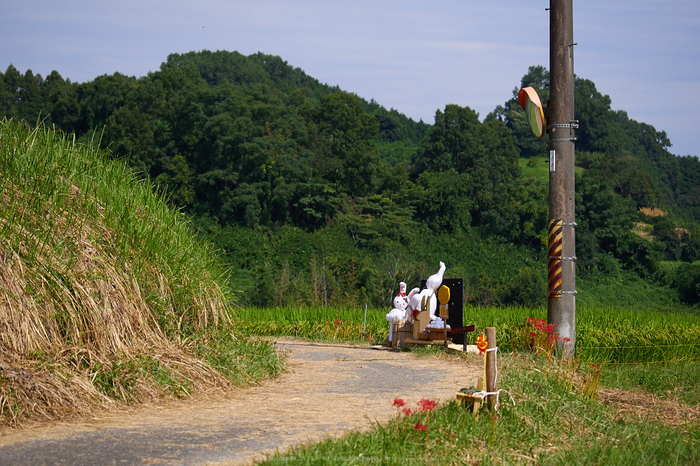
104, 290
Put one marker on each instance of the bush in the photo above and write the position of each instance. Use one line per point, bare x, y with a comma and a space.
527, 290
687, 283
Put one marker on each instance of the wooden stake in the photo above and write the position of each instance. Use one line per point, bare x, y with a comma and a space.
491, 382
443, 299
444, 329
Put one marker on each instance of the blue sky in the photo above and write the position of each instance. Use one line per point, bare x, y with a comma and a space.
414, 56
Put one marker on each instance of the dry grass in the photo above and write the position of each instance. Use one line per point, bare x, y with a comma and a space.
647, 406
653, 212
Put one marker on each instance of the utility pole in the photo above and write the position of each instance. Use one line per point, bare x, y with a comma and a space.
561, 270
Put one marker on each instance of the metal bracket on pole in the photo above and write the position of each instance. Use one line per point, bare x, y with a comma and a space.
572, 125
570, 224
569, 292
570, 258
563, 139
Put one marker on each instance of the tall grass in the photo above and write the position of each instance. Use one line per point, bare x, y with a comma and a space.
314, 322
102, 286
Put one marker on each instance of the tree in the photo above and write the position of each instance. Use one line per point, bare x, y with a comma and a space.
11, 85
484, 151
340, 141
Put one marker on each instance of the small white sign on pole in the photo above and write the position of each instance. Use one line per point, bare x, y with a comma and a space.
552, 160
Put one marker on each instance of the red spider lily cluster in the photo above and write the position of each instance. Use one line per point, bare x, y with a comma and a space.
427, 405
591, 381
424, 405
540, 324
399, 403
536, 335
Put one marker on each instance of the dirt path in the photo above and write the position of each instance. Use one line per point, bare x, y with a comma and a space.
329, 390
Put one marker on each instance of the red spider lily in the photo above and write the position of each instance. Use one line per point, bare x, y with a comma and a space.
399, 403
427, 405
407, 411
337, 321
420, 426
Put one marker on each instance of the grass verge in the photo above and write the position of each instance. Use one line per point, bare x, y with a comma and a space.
553, 421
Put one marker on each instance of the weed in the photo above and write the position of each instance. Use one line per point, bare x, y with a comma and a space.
116, 379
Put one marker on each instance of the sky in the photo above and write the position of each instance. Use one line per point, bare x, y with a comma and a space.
413, 56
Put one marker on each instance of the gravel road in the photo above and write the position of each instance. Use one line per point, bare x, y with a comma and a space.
328, 391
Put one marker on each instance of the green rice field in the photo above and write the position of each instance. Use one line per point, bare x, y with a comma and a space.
603, 335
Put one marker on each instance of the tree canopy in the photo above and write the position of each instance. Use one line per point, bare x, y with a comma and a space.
251, 144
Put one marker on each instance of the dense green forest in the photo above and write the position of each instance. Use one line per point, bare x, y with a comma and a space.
314, 195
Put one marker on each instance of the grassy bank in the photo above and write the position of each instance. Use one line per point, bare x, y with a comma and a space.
106, 295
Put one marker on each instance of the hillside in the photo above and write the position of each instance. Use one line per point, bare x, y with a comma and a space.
107, 296
349, 197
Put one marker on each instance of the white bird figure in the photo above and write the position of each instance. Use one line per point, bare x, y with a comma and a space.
433, 282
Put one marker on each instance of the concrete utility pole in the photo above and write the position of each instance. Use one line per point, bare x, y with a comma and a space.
561, 305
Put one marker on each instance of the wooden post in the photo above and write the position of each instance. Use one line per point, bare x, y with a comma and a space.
443, 299
491, 382
419, 323
444, 326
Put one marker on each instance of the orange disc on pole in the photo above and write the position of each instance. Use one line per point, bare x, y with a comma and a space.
530, 102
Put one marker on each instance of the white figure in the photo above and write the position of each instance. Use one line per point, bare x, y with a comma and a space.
434, 281
431, 285
398, 313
